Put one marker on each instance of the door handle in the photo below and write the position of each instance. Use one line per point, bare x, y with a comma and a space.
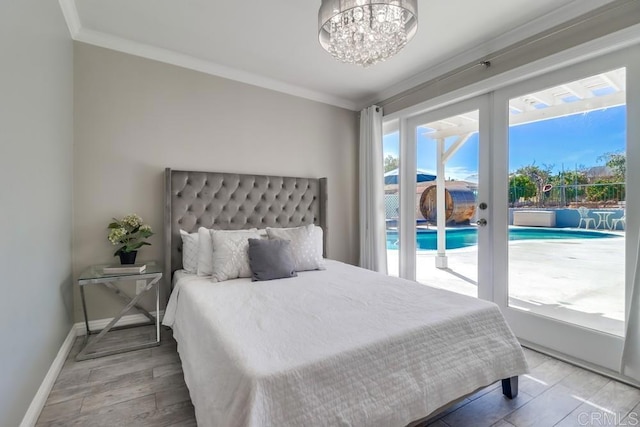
482, 222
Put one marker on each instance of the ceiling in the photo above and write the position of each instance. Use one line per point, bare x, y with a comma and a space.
274, 44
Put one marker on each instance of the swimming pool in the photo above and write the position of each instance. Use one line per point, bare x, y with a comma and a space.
465, 237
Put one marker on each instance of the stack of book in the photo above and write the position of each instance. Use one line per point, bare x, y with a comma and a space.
124, 269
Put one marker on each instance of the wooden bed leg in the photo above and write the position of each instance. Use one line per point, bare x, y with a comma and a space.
510, 387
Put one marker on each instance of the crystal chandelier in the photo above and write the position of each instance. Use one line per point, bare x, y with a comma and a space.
366, 31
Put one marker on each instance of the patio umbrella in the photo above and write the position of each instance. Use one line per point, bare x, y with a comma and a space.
391, 177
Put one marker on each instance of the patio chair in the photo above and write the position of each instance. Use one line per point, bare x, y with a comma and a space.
622, 220
584, 216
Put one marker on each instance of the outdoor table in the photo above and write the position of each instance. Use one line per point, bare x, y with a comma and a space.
603, 218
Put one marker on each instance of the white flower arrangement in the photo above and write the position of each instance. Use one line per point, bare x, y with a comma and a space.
130, 232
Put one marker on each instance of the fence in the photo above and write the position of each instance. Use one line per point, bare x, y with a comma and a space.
599, 195
593, 196
391, 205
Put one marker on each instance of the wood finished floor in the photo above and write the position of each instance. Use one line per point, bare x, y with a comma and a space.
146, 388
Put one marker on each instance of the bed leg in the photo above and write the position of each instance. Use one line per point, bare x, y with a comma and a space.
510, 387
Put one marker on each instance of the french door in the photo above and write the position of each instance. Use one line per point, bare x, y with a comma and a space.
444, 170
560, 152
535, 174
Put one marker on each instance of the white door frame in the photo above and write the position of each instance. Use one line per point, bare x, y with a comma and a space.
586, 344
578, 342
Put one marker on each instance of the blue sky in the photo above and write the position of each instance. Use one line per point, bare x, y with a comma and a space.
570, 141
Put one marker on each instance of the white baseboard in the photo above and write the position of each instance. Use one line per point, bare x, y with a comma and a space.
33, 412
96, 325
37, 404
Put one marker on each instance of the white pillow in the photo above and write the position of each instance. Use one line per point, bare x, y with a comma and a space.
306, 245
231, 253
205, 252
189, 252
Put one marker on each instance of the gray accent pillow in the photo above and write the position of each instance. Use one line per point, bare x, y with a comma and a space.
270, 259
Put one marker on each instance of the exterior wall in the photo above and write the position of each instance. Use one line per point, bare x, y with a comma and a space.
571, 218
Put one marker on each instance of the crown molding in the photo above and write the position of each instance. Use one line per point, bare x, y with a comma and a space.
531, 28
167, 56
101, 39
70, 13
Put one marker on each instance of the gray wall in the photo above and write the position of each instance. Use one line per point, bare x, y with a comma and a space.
134, 117
36, 131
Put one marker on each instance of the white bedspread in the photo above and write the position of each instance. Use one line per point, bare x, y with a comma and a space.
339, 347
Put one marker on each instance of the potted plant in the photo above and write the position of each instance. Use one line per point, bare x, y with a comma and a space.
130, 232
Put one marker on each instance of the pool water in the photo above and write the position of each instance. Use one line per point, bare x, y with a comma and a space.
465, 237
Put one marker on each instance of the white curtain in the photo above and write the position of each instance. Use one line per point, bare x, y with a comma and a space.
373, 248
631, 352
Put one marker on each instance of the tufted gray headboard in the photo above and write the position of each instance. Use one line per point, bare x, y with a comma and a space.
230, 201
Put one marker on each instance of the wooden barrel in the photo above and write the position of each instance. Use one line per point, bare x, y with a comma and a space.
460, 204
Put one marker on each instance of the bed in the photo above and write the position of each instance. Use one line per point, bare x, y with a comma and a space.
341, 346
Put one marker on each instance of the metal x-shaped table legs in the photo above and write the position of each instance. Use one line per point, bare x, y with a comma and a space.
87, 351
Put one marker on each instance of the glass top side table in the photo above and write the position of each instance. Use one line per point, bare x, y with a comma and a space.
94, 275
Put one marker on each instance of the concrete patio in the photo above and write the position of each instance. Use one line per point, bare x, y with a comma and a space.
575, 280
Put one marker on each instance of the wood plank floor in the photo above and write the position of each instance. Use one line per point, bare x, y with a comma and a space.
146, 388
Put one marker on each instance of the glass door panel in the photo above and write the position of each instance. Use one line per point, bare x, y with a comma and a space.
447, 155
561, 257
447, 187
566, 197
391, 155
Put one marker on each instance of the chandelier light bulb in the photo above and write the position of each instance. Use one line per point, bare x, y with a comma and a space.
365, 32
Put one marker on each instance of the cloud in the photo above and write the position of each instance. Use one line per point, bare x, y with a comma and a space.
461, 173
